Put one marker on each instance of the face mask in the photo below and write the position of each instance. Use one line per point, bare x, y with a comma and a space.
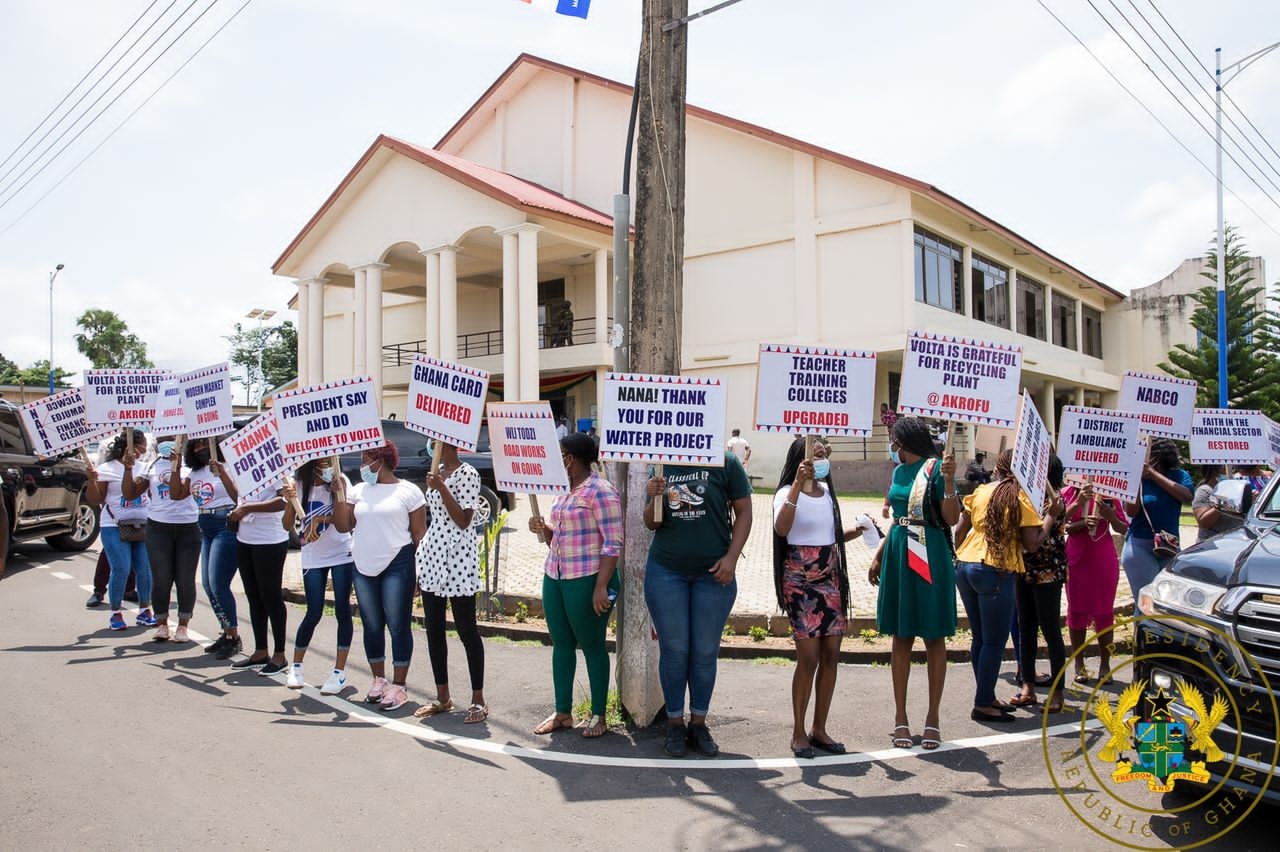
894, 457
368, 474
821, 468
326, 473
165, 449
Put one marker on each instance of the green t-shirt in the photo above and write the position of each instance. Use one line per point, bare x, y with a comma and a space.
696, 527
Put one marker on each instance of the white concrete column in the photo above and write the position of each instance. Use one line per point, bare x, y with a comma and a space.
510, 318
602, 297
304, 331
1013, 300
449, 303
359, 326
1045, 404
373, 325
527, 248
315, 331
432, 330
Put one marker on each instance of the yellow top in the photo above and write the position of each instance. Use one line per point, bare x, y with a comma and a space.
974, 546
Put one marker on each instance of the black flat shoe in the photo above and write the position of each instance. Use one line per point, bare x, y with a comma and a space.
272, 668
804, 752
94, 600
677, 741
998, 719
249, 662
829, 748
701, 741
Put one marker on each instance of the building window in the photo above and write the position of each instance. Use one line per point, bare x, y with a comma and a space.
1031, 308
938, 272
1091, 318
990, 292
1064, 321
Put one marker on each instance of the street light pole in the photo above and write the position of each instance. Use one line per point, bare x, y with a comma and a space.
1219, 83
52, 275
260, 314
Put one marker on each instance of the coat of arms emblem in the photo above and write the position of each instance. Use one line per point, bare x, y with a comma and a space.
1167, 745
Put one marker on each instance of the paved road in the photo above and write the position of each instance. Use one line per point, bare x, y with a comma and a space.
110, 740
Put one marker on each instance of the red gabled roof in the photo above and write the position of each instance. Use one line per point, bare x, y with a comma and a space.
910, 183
517, 192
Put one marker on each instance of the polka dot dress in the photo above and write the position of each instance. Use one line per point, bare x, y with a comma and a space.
448, 560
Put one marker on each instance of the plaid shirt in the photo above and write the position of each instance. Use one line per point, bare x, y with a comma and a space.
586, 525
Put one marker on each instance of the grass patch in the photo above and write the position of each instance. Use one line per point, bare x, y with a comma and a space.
613, 715
527, 643
757, 633
773, 661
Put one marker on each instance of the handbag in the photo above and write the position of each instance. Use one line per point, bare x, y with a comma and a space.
129, 530
1164, 544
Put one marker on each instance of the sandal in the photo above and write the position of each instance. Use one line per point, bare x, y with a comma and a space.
929, 743
595, 727
434, 708
1024, 701
476, 713
903, 740
1054, 705
1083, 676
555, 722
830, 747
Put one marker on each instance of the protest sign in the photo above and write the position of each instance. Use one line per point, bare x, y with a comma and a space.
1031, 451
1229, 436
121, 398
815, 390
526, 451
1164, 403
1273, 441
1103, 446
328, 420
651, 418
446, 401
56, 424
206, 398
171, 418
955, 378
254, 457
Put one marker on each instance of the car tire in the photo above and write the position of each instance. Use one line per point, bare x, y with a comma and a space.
495, 503
84, 530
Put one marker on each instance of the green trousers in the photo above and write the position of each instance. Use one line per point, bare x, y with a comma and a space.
574, 624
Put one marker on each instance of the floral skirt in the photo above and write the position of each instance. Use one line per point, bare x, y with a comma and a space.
811, 589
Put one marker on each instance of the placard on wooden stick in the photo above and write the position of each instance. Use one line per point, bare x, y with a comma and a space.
57, 424
1104, 447
1031, 450
446, 401
121, 398
329, 419
1234, 436
817, 390
526, 451
206, 400
1163, 403
662, 419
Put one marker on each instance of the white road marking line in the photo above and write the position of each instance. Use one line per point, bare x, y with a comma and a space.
418, 731
86, 587
62, 575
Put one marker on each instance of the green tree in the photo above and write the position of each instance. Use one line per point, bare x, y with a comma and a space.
1252, 366
279, 347
37, 375
106, 341
8, 371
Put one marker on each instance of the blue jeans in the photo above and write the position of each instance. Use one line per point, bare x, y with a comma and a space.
313, 583
988, 597
218, 556
386, 603
123, 557
689, 614
1141, 565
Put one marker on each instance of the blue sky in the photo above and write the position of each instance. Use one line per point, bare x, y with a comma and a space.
175, 221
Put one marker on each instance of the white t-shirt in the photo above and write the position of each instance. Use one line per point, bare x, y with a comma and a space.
163, 509
262, 527
382, 522
814, 523
739, 447
111, 474
208, 491
332, 547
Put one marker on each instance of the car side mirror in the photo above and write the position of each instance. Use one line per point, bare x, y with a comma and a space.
1233, 496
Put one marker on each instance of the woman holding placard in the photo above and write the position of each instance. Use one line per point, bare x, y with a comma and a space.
1093, 572
448, 561
580, 582
215, 494
812, 584
173, 540
262, 542
915, 571
319, 486
1153, 533
999, 525
124, 500
386, 517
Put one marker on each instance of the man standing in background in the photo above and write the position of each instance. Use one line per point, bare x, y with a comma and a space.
739, 447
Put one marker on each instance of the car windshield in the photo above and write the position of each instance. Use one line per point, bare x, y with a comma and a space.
1271, 506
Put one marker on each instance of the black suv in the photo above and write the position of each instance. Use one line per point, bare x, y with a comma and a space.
45, 498
1230, 584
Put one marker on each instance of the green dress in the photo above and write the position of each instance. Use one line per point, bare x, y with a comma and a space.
909, 606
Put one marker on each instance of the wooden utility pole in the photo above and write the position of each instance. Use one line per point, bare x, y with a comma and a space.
656, 296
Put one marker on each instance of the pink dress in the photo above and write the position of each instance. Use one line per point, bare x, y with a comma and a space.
1093, 569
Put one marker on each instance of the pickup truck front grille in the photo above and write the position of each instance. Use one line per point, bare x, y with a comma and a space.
1258, 630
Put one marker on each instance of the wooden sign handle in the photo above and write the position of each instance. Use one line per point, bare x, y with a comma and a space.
537, 513
435, 456
661, 498
808, 448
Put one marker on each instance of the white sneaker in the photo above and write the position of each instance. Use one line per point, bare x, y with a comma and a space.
336, 683
293, 679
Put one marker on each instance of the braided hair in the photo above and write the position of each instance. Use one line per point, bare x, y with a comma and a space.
912, 434
1164, 456
1003, 511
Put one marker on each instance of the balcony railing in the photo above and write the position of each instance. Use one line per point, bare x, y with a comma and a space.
480, 343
